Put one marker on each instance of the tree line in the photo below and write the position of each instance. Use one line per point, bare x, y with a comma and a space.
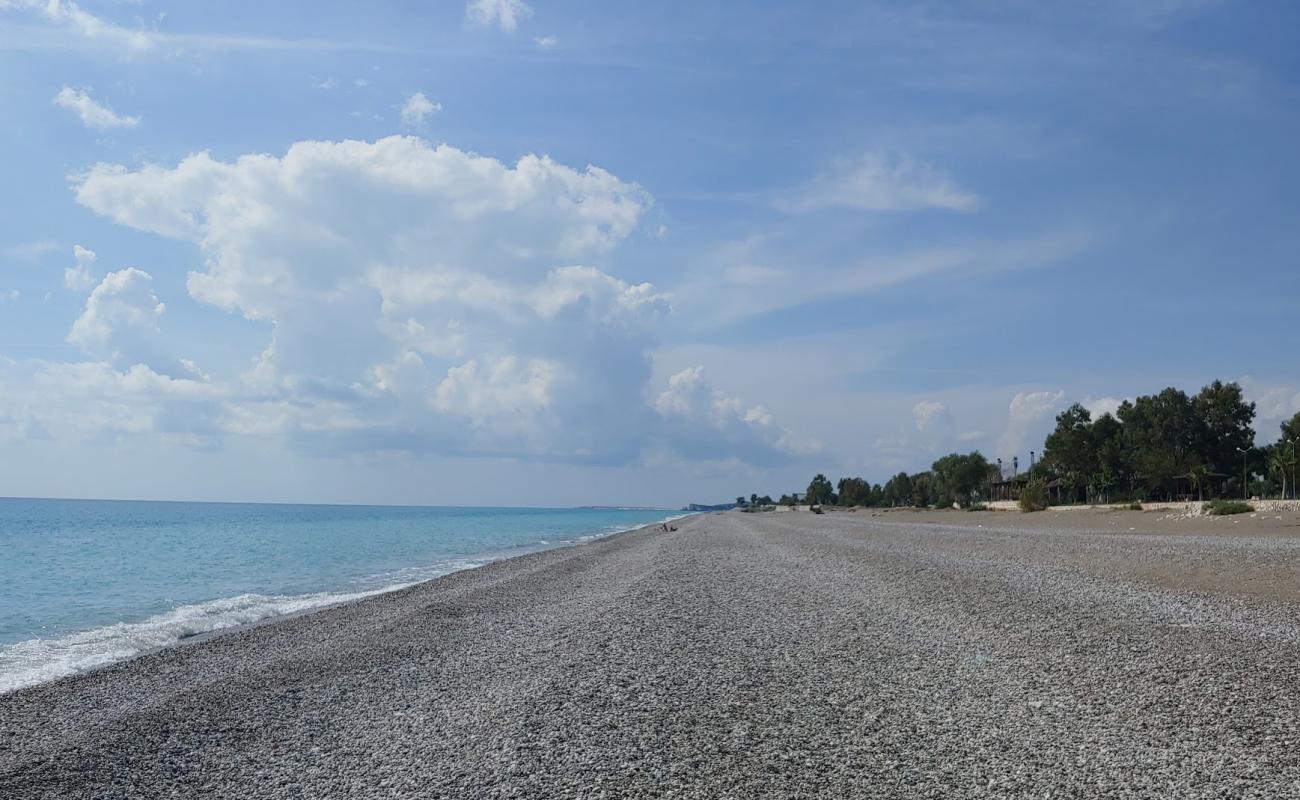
1164, 446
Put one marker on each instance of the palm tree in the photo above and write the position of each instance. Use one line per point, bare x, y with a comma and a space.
1277, 465
1196, 476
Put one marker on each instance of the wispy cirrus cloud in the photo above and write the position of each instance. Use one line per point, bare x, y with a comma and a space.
71, 17
92, 114
743, 286
63, 24
28, 251
877, 181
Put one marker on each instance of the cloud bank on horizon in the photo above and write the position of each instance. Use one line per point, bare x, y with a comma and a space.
847, 247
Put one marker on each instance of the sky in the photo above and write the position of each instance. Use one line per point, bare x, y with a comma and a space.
554, 253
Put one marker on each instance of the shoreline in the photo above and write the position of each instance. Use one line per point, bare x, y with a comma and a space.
478, 561
742, 655
306, 612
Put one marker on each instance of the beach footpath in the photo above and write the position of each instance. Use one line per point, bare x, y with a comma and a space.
741, 655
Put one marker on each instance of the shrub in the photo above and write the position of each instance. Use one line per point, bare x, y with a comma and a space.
1033, 497
1136, 505
977, 507
1220, 508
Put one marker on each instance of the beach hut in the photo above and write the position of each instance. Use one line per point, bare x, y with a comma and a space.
1009, 488
1211, 484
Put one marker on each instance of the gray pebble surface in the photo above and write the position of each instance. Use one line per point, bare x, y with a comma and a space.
743, 655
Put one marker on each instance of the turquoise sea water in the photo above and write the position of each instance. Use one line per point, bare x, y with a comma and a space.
88, 582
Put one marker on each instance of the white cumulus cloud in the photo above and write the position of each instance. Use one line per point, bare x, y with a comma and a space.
92, 114
927, 413
120, 321
704, 422
1100, 406
1274, 404
1028, 421
426, 299
78, 277
505, 14
934, 425
93, 400
417, 108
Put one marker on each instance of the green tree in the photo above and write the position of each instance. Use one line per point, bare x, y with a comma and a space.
820, 491
1070, 452
922, 489
1291, 436
958, 478
1279, 464
854, 492
1111, 471
740, 502
1161, 437
897, 491
1224, 418
1291, 429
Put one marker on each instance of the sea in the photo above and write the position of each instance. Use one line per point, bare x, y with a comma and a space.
85, 583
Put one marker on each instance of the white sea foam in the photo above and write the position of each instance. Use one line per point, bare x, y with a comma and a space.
39, 660
36, 661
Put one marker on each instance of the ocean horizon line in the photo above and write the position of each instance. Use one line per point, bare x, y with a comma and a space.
305, 504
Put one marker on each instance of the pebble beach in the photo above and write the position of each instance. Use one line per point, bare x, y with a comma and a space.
742, 655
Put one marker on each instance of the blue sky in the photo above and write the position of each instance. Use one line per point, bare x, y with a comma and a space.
553, 252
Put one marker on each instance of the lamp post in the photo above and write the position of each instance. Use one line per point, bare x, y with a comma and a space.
1244, 486
1031, 463
1295, 444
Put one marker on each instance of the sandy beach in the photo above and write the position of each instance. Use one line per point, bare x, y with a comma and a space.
938, 654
